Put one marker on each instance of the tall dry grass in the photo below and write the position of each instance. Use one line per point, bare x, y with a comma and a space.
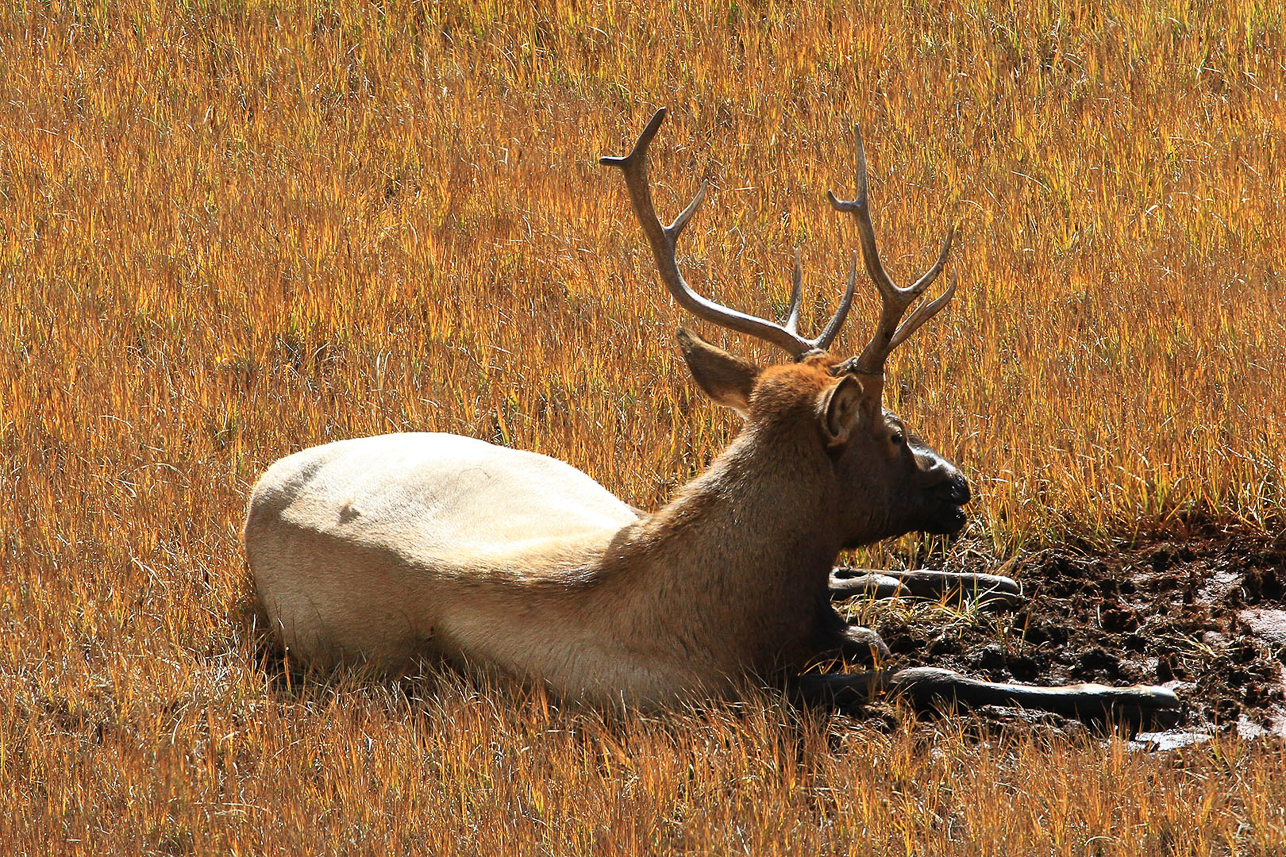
234, 230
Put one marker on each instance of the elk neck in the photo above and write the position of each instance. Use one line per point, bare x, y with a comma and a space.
739, 561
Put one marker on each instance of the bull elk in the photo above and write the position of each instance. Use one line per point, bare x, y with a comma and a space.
385, 550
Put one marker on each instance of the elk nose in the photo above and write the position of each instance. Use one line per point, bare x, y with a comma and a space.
958, 490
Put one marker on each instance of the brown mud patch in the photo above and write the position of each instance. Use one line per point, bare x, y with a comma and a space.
1202, 612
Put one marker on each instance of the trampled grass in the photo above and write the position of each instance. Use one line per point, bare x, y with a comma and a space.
231, 231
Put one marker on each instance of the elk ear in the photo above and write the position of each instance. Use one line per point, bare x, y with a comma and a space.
727, 380
840, 410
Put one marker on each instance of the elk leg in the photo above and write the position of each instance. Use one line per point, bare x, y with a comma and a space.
853, 582
926, 686
839, 690
925, 583
1135, 704
861, 644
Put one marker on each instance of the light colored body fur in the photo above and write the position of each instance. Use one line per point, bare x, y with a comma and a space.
387, 548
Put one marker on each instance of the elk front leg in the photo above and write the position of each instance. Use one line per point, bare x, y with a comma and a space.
1135, 704
927, 686
863, 645
925, 583
839, 690
854, 582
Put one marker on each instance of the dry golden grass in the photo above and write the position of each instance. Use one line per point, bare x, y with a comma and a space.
233, 231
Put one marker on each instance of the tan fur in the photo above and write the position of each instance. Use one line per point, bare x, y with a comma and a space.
388, 549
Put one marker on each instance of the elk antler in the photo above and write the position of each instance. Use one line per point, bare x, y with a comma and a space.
888, 334
663, 238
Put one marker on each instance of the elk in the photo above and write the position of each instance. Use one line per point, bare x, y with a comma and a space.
386, 550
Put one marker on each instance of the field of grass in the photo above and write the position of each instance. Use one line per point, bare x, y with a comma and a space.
236, 230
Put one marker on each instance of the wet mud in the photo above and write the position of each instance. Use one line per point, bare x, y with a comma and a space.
1200, 610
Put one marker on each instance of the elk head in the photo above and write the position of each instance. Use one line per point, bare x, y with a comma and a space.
889, 481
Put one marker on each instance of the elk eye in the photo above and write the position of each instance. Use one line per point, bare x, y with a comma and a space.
898, 439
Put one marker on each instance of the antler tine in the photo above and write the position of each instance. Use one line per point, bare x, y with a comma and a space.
895, 301
923, 313
832, 328
841, 312
663, 239
796, 295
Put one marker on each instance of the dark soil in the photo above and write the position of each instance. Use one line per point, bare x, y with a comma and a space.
1201, 611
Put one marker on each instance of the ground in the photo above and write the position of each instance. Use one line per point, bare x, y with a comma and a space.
1197, 608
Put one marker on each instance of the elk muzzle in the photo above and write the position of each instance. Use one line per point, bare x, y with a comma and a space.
947, 501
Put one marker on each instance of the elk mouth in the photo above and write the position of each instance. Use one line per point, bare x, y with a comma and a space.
949, 521
946, 512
